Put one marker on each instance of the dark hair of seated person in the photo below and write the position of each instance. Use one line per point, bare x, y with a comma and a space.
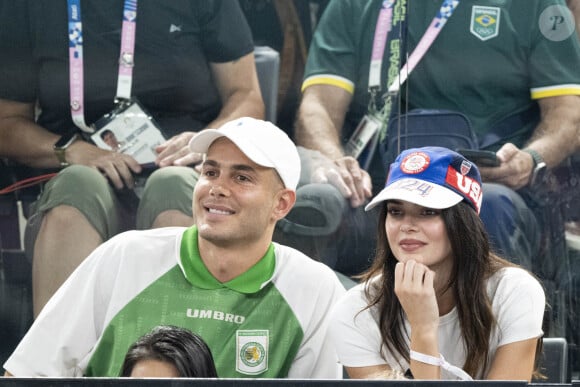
180, 347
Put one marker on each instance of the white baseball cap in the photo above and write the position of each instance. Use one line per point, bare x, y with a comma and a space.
261, 141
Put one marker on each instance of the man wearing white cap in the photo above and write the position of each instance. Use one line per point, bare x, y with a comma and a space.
261, 307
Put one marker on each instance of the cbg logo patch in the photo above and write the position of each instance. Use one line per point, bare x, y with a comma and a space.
252, 351
484, 22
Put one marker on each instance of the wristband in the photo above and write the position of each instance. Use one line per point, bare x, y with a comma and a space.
440, 362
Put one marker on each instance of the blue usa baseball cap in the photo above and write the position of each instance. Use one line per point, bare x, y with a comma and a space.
432, 177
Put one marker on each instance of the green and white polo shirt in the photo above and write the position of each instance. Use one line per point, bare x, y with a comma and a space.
269, 322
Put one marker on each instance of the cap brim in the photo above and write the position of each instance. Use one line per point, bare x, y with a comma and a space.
418, 192
201, 142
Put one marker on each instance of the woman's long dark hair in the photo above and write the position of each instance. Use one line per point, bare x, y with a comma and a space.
473, 264
185, 350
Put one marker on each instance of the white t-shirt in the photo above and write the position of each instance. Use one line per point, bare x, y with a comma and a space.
517, 300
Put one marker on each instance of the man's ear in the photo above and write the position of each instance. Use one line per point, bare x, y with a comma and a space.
285, 201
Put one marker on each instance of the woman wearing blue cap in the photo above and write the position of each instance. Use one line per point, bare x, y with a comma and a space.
437, 303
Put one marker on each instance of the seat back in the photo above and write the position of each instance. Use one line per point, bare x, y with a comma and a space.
268, 68
427, 127
554, 361
9, 230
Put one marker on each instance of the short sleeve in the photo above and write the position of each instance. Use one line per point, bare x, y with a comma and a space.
17, 70
554, 46
355, 332
224, 30
518, 304
332, 56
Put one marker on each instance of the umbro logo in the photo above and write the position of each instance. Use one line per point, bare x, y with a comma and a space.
215, 315
174, 28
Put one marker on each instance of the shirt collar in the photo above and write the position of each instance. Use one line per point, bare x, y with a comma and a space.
196, 273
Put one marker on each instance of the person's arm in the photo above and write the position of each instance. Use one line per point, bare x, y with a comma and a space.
381, 371
519, 307
556, 137
514, 361
319, 126
416, 293
320, 119
239, 90
574, 6
22, 140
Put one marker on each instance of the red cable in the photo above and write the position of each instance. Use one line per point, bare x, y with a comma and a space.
31, 181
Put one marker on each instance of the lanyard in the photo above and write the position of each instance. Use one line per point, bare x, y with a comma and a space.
384, 26
426, 41
379, 43
76, 60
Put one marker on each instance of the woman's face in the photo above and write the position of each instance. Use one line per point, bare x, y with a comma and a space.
151, 368
417, 233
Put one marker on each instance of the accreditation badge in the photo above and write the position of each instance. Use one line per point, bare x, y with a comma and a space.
129, 129
363, 141
252, 351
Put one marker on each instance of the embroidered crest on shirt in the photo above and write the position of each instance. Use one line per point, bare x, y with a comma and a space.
252, 351
484, 22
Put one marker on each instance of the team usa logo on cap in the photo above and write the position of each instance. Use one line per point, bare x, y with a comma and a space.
468, 187
432, 177
415, 163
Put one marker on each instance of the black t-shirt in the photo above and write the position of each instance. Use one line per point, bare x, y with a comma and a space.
175, 40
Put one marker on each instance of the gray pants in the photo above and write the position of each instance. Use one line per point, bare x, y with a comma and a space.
108, 210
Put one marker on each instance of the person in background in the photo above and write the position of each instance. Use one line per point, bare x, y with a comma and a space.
171, 352
192, 68
574, 6
531, 95
286, 26
262, 308
437, 303
573, 224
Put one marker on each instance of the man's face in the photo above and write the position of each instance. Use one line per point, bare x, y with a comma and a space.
111, 140
235, 200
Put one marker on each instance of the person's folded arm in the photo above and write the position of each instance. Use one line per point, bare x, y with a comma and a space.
239, 90
319, 127
21, 139
556, 137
